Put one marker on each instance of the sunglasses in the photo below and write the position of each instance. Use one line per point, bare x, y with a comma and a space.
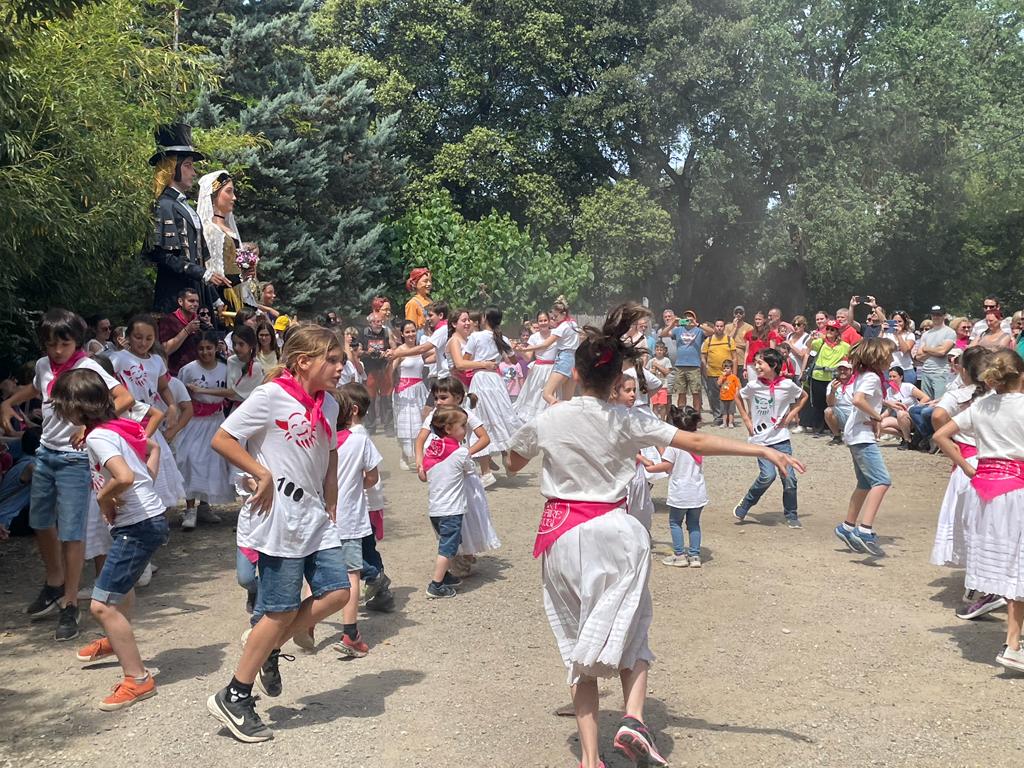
990, 306
203, 312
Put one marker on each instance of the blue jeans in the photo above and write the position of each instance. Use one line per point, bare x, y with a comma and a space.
373, 563
921, 415
60, 492
131, 548
766, 476
449, 534
933, 383
676, 517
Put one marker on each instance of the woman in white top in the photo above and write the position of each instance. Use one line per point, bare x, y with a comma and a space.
897, 330
799, 342
409, 396
900, 397
494, 406
564, 338
531, 398
595, 557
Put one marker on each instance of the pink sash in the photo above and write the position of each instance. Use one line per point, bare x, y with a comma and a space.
377, 523
996, 477
404, 383
466, 377
250, 554
544, 362
560, 517
967, 451
440, 448
314, 404
67, 365
201, 409
131, 431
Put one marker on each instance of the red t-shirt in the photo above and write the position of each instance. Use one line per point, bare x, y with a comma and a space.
850, 335
756, 345
168, 327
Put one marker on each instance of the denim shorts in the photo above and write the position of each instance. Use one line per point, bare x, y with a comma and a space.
352, 554
60, 493
449, 534
132, 547
869, 466
565, 361
281, 579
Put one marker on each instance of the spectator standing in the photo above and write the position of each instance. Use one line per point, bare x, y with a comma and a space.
987, 305
777, 324
689, 337
828, 352
935, 345
847, 331
716, 350
737, 330
180, 331
377, 341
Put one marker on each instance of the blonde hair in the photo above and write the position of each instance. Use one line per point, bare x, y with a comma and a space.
1002, 371
957, 321
164, 174
871, 355
306, 341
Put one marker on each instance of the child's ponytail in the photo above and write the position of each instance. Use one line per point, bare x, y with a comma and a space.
686, 418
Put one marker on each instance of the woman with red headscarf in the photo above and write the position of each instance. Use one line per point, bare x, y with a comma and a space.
419, 284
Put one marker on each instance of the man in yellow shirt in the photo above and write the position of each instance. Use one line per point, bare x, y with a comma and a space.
717, 348
737, 331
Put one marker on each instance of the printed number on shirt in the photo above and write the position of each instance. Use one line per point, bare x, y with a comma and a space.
290, 489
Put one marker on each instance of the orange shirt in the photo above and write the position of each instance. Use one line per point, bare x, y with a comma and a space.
728, 386
416, 310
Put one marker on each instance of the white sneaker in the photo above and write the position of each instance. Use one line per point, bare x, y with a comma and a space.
1011, 659
403, 464
796, 430
188, 519
489, 479
676, 561
145, 577
245, 636
695, 561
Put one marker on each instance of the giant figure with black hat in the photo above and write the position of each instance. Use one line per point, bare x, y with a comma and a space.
176, 244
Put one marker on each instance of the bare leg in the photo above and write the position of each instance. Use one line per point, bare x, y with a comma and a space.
634, 689
74, 559
872, 501
115, 622
585, 702
697, 403
1014, 617
50, 552
832, 422
441, 567
905, 424
856, 502
553, 386
350, 613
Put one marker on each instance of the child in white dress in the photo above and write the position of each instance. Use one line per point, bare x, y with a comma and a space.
494, 407
531, 398
595, 558
409, 397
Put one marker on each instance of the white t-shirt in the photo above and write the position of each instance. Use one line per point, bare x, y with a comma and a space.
349, 374
665, 363
589, 447
57, 433
356, 456
439, 339
238, 381
798, 345
859, 428
544, 354
140, 375
472, 424
481, 346
953, 401
844, 395
214, 378
686, 487
568, 334
139, 502
375, 499
179, 390
279, 436
767, 409
446, 483
905, 395
904, 360
997, 423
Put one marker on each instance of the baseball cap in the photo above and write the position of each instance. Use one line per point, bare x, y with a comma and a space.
954, 352
739, 308
844, 364
834, 325
938, 310
282, 322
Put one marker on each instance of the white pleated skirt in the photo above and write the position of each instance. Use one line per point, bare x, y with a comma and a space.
478, 534
531, 401
205, 473
97, 532
407, 407
169, 484
956, 515
995, 547
494, 409
596, 596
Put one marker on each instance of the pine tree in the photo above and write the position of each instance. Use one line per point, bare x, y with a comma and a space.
314, 195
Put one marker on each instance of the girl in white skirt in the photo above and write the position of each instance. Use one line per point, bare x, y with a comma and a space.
995, 541
409, 397
493, 407
639, 503
207, 474
645, 385
478, 534
531, 398
145, 375
595, 557
564, 339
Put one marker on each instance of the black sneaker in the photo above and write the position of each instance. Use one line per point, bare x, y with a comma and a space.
239, 717
67, 627
269, 677
382, 602
451, 580
441, 590
46, 603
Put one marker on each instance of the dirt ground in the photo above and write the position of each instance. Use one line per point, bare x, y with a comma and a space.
784, 650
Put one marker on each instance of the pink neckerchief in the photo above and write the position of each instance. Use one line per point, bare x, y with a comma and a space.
343, 435
131, 431
181, 316
849, 381
440, 448
67, 365
771, 384
314, 404
697, 458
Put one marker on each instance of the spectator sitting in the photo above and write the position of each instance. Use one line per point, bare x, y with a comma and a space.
16, 485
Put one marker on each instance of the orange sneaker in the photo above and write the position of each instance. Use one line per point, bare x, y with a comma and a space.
96, 650
127, 692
